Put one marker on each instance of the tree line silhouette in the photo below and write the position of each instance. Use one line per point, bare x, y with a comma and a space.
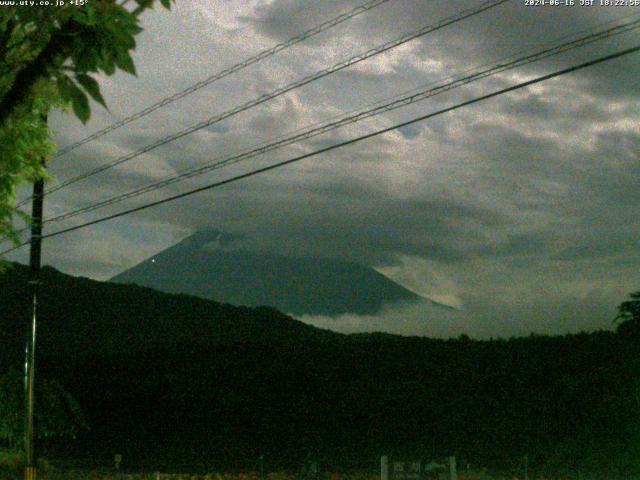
168, 379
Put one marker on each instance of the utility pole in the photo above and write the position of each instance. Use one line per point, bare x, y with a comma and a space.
30, 360
262, 477
453, 471
384, 467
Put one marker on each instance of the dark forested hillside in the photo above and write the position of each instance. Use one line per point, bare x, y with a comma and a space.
82, 315
174, 379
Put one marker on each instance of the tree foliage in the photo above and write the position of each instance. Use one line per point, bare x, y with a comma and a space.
50, 57
629, 315
238, 382
58, 413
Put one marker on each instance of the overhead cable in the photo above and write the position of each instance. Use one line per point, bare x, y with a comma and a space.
350, 119
466, 13
298, 158
226, 72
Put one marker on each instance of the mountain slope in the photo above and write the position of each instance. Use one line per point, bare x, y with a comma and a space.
167, 379
201, 266
81, 315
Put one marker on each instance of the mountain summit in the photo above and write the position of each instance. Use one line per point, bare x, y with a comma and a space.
213, 265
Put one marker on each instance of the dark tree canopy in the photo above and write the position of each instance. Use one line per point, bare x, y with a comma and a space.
629, 315
243, 382
58, 413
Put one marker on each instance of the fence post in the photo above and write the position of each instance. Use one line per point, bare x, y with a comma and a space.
384, 468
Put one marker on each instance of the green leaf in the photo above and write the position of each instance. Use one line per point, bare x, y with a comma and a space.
166, 4
80, 104
124, 62
83, 16
145, 3
92, 88
65, 87
108, 62
86, 60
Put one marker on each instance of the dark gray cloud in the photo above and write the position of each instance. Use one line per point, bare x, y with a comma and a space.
410, 131
521, 210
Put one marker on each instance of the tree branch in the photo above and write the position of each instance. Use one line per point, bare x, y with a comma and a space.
53, 55
6, 36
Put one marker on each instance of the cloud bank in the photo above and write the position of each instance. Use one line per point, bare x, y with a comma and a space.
523, 211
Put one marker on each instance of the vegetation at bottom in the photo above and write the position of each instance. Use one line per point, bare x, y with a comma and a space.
178, 384
50, 473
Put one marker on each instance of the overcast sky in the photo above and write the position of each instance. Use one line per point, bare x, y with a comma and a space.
522, 211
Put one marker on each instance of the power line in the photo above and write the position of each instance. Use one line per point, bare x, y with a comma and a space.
341, 144
281, 91
224, 73
398, 102
218, 76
